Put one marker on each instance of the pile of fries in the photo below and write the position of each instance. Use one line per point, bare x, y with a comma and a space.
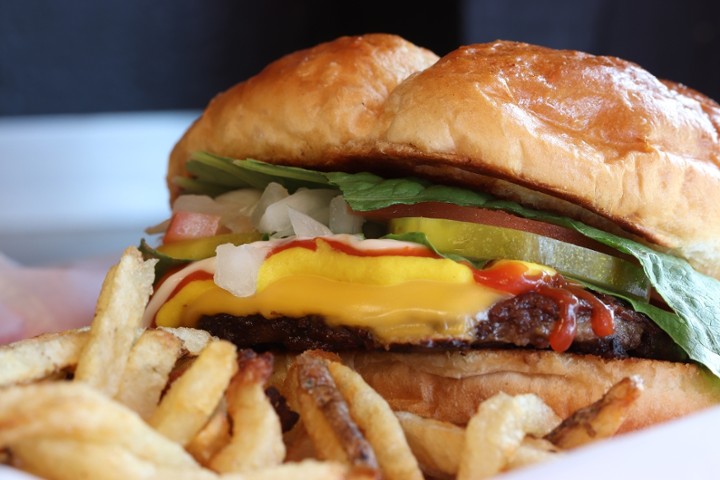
115, 401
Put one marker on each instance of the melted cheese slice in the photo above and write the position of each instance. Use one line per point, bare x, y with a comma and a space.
408, 312
327, 262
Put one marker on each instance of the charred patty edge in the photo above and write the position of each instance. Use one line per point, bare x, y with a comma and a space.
524, 321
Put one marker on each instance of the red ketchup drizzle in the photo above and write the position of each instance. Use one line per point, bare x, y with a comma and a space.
602, 317
563, 332
403, 251
196, 275
513, 278
507, 277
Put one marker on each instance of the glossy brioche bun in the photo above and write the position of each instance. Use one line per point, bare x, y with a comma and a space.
449, 386
595, 138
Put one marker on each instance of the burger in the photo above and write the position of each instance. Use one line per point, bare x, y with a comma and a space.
505, 218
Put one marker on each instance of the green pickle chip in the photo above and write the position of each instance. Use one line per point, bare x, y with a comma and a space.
476, 241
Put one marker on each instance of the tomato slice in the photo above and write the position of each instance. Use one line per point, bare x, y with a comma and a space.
192, 225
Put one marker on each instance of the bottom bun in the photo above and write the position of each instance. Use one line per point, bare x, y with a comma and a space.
449, 386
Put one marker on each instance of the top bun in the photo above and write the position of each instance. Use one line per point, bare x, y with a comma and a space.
313, 108
595, 138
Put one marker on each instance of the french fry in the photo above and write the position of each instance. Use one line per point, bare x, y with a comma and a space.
378, 422
257, 440
193, 397
146, 374
212, 437
113, 332
68, 459
65, 431
497, 430
298, 444
532, 450
38, 357
193, 340
437, 445
312, 392
77, 413
599, 420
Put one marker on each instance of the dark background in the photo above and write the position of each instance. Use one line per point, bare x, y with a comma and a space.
132, 55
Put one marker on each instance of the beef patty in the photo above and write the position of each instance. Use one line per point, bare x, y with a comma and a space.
524, 321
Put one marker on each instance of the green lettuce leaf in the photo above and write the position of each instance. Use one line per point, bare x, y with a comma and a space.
421, 239
165, 263
214, 175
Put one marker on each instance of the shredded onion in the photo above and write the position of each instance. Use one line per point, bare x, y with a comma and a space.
238, 207
305, 226
158, 228
273, 193
246, 259
342, 220
314, 203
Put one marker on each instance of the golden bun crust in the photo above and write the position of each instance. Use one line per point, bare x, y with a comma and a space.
311, 108
595, 138
449, 386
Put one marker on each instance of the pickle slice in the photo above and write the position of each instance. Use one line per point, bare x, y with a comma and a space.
477, 241
199, 248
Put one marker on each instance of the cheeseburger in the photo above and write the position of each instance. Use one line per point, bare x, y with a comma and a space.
506, 217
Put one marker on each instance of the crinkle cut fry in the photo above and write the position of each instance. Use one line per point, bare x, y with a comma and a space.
313, 393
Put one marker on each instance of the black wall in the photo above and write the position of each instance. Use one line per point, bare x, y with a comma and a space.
126, 55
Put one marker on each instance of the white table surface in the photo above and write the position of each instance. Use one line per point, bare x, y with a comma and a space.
74, 186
